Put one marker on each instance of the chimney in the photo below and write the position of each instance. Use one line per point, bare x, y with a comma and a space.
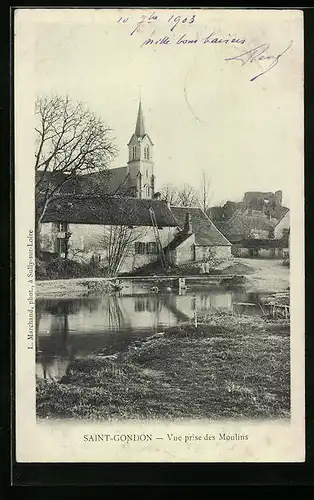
187, 224
278, 197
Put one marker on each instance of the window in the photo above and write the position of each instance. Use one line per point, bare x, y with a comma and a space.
133, 152
140, 248
139, 305
146, 153
61, 246
149, 248
61, 227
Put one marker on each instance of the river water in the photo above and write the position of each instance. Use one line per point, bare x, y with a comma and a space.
71, 328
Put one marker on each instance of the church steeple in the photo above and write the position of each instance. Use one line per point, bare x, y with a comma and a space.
140, 164
140, 126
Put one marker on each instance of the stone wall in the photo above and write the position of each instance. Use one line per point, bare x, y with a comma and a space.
184, 253
205, 252
262, 253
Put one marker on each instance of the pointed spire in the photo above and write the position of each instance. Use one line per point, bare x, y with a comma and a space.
140, 127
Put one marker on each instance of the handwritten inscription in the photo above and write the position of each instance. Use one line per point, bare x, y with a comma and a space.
185, 39
258, 54
170, 25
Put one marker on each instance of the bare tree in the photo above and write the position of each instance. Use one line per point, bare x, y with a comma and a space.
187, 196
119, 241
184, 196
205, 192
70, 140
169, 193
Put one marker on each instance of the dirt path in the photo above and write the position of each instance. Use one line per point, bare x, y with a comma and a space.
269, 275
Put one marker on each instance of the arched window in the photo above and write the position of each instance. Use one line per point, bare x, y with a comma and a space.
133, 152
146, 153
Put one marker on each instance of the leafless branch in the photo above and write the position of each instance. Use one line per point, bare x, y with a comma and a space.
70, 140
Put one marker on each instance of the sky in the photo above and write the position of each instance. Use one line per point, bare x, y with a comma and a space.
202, 112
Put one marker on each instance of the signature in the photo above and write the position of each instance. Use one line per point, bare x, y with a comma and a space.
258, 54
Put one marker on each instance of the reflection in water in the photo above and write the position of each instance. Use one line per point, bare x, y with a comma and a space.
75, 328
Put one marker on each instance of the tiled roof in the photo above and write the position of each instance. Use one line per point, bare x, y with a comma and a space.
113, 181
242, 224
263, 243
108, 210
177, 241
204, 229
284, 212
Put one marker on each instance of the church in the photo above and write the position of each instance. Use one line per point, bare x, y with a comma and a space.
121, 204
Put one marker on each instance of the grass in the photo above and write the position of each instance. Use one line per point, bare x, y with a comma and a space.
230, 367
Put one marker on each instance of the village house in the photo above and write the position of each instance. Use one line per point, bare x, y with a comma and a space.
255, 234
94, 215
198, 240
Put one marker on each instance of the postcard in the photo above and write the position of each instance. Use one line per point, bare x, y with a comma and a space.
159, 235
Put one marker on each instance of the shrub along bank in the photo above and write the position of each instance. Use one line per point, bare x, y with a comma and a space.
60, 268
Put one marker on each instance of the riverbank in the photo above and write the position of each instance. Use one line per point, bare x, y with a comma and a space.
72, 288
230, 367
258, 275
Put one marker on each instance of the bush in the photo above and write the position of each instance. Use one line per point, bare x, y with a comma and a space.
60, 268
40, 269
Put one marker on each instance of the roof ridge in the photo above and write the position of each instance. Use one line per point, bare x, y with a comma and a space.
215, 226
285, 213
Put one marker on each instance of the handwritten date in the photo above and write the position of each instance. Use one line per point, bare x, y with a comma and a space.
173, 21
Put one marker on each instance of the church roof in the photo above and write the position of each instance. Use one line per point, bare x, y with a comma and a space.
108, 210
114, 181
140, 126
206, 233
